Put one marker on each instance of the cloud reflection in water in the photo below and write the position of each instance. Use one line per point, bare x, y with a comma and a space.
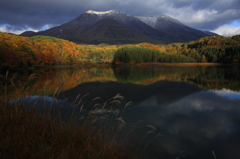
197, 124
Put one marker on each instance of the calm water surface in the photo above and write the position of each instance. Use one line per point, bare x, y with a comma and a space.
195, 109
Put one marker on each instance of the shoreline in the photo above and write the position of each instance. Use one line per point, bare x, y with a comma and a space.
169, 64
183, 64
84, 65
111, 65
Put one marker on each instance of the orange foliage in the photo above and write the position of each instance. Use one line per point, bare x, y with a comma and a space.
17, 51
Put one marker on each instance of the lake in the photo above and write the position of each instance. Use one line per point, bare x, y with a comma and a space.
184, 112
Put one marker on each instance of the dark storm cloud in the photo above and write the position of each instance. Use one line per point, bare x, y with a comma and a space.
35, 13
201, 14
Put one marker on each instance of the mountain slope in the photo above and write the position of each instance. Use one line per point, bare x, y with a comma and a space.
174, 27
108, 31
115, 27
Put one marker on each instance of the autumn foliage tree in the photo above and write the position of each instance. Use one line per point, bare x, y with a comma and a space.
17, 51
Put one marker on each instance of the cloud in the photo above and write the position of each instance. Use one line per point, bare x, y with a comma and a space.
200, 14
10, 29
16, 30
227, 30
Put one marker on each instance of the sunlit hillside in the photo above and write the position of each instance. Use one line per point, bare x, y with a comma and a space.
41, 51
18, 51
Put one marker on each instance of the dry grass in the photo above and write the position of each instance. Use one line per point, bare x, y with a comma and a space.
25, 133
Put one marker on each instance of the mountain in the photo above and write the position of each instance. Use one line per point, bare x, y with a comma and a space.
174, 27
116, 27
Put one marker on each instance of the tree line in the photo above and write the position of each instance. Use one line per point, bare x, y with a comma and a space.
135, 54
18, 51
215, 49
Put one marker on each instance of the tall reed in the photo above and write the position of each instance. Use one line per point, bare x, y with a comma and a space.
36, 131
26, 133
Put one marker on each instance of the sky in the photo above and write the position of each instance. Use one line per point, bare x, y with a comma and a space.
219, 16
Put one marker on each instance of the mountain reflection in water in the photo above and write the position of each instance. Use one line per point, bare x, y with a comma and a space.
196, 109
195, 123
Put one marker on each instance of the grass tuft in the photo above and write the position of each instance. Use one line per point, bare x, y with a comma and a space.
26, 134
32, 131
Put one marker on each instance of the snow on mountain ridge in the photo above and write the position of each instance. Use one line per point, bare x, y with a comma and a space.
151, 21
148, 20
111, 14
169, 18
99, 12
91, 17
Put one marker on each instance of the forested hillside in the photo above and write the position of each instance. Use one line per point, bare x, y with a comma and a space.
18, 51
147, 55
40, 51
211, 49
215, 49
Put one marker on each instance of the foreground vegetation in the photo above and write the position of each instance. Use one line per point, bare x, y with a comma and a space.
25, 134
41, 51
36, 131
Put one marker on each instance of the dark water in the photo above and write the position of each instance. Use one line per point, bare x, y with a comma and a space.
195, 109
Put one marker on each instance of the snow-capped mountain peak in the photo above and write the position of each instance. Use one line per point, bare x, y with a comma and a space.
114, 26
91, 17
100, 12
